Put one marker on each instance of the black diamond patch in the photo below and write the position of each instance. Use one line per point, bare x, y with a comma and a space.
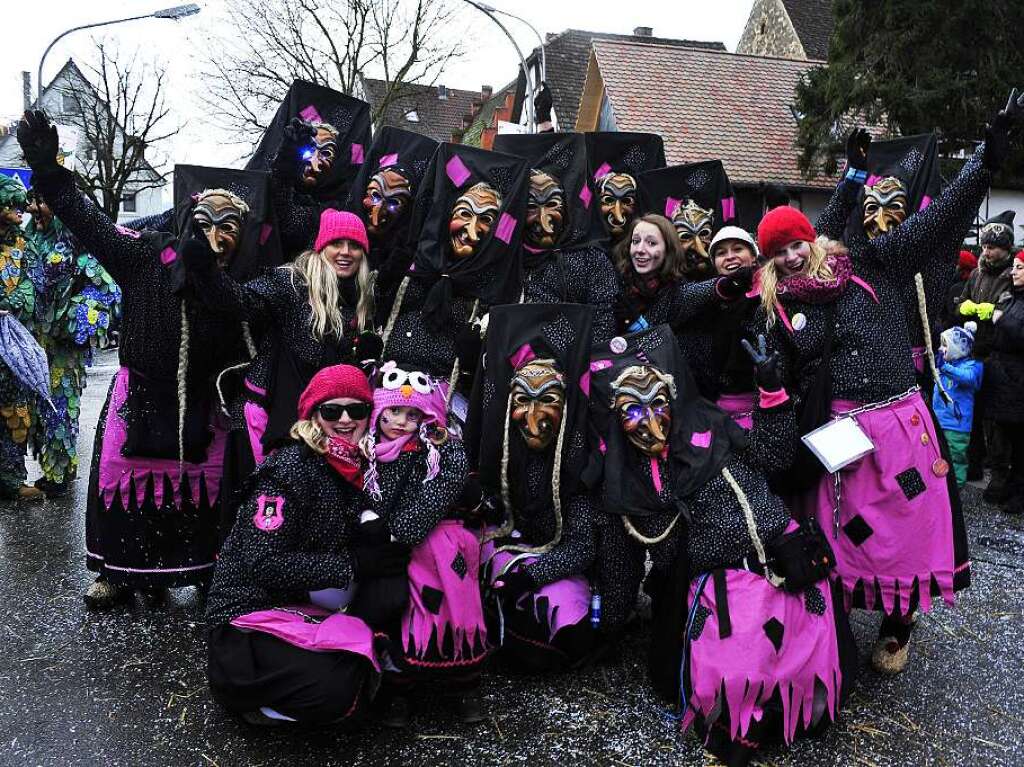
774, 630
699, 618
858, 530
459, 565
911, 483
814, 601
432, 599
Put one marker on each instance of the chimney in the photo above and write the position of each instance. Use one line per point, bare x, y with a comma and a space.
26, 89
643, 31
474, 106
486, 91
442, 93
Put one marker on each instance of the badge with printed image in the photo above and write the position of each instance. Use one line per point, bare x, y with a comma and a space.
269, 513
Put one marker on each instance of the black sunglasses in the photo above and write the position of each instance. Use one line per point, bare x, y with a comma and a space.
357, 411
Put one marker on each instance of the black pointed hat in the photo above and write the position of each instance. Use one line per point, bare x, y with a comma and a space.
493, 273
701, 439
409, 155
318, 104
563, 157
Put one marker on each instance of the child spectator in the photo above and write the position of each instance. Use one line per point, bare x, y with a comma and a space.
960, 375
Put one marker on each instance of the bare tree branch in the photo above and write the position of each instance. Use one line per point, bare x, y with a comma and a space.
329, 42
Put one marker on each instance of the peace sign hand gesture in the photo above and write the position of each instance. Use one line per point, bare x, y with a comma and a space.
766, 366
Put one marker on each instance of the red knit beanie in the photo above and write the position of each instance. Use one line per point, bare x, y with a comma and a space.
333, 383
1020, 255
966, 264
781, 226
340, 225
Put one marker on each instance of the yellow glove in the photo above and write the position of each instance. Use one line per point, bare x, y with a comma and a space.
984, 311
968, 308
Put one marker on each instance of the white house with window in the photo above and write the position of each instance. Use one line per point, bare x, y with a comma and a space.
64, 99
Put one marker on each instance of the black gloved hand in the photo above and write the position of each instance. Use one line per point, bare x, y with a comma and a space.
511, 586
375, 561
39, 143
997, 133
766, 366
735, 284
368, 347
196, 253
542, 104
297, 134
857, 145
468, 345
470, 503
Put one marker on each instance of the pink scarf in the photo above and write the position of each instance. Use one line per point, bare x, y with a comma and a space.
814, 290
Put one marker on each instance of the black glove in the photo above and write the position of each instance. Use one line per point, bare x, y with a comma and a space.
39, 143
997, 133
511, 586
766, 366
380, 560
735, 284
542, 104
469, 506
857, 145
368, 346
297, 134
196, 253
467, 348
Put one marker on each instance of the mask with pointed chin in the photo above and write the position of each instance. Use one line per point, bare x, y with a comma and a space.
618, 201
694, 226
387, 198
538, 402
642, 396
219, 214
472, 218
323, 155
885, 206
545, 210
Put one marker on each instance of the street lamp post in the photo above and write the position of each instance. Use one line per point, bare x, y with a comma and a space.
540, 39
175, 12
490, 13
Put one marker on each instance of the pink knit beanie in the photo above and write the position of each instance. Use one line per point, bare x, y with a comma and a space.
340, 225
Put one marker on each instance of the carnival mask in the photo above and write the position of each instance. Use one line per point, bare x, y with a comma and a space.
545, 210
472, 218
41, 214
885, 206
642, 396
693, 225
321, 156
219, 215
618, 201
538, 402
387, 198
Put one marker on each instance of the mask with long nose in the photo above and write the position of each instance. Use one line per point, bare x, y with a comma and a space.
387, 198
472, 218
885, 206
321, 156
219, 214
618, 201
642, 396
694, 226
538, 402
545, 210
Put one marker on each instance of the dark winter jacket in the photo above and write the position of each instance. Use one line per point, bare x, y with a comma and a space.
1004, 371
985, 285
291, 536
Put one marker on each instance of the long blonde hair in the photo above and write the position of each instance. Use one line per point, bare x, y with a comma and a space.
816, 267
321, 282
309, 431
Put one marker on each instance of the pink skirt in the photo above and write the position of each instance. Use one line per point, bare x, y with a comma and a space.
779, 642
740, 408
895, 536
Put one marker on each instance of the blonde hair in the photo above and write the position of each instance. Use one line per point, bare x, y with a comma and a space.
309, 431
815, 267
313, 271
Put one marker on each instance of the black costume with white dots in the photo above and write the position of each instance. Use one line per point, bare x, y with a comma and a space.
258, 568
581, 275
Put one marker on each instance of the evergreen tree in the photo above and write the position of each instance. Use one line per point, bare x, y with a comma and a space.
911, 67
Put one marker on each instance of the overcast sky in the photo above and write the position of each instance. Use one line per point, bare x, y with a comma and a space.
490, 59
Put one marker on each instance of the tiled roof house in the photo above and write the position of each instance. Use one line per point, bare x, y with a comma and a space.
792, 29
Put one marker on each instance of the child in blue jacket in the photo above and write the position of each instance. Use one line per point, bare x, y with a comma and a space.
960, 375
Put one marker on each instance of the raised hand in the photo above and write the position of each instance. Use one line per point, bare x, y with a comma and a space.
857, 145
735, 284
296, 134
38, 139
997, 132
766, 366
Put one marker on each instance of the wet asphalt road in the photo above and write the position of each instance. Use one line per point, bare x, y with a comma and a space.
129, 687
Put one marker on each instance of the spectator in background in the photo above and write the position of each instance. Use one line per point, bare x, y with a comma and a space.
961, 377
